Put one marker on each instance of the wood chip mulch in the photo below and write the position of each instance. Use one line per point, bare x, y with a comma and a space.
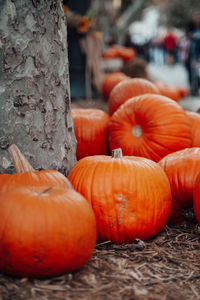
166, 267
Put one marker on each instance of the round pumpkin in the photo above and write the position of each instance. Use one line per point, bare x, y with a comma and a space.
127, 89
182, 168
151, 126
130, 196
195, 124
109, 81
91, 131
169, 90
45, 231
26, 175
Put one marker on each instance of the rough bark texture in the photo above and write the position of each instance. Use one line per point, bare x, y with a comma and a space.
35, 111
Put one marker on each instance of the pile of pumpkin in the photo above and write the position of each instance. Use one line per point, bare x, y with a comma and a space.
50, 223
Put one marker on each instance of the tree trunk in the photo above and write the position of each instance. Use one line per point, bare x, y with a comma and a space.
35, 111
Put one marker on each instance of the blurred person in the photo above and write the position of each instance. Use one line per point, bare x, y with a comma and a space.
156, 50
170, 43
193, 57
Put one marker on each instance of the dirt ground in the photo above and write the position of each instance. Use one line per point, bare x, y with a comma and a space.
164, 268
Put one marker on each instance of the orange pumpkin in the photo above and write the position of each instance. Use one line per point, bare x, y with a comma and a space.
168, 90
45, 231
91, 131
195, 124
130, 196
182, 168
26, 175
127, 89
125, 53
109, 81
151, 126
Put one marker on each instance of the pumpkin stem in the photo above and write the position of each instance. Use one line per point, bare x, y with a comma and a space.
20, 162
117, 153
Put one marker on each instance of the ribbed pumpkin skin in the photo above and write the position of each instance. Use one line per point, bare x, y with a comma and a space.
127, 89
195, 124
196, 198
37, 178
91, 131
168, 90
130, 196
182, 168
109, 81
151, 126
45, 234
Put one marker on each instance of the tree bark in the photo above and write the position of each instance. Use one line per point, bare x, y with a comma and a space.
35, 112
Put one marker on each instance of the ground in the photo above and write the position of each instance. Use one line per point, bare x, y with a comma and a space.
165, 268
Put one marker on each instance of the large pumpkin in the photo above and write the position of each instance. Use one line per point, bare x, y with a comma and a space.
127, 89
26, 175
151, 126
182, 168
109, 81
45, 231
91, 131
195, 124
130, 196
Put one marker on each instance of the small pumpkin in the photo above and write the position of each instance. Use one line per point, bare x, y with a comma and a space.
26, 175
195, 125
151, 126
109, 81
130, 196
45, 231
91, 131
182, 168
169, 90
127, 89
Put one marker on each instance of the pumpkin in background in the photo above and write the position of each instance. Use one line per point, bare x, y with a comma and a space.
125, 53
182, 168
118, 51
109, 81
26, 175
110, 53
169, 90
130, 196
91, 131
45, 231
151, 126
195, 124
183, 91
127, 89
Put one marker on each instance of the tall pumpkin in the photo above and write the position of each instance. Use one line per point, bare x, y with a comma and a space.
195, 125
45, 231
91, 131
127, 89
130, 196
182, 168
151, 126
26, 175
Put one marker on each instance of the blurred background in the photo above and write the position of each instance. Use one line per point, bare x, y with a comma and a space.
155, 39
